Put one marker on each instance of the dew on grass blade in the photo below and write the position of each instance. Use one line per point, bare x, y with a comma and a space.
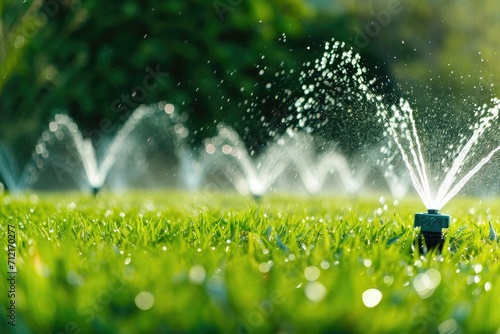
264, 267
449, 326
325, 264
311, 273
426, 283
144, 300
197, 274
315, 291
371, 297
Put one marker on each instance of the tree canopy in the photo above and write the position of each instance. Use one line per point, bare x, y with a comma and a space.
228, 60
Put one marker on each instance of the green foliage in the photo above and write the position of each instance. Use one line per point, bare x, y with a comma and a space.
94, 60
217, 263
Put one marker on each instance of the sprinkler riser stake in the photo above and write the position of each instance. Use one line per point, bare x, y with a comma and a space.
431, 230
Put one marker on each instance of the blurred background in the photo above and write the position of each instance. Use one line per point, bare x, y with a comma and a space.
98, 60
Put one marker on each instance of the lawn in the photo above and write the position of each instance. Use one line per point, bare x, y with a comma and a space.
175, 262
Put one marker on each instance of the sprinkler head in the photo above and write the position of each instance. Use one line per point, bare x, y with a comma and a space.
257, 197
95, 190
431, 226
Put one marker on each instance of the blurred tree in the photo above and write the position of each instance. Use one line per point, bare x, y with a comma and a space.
99, 60
231, 60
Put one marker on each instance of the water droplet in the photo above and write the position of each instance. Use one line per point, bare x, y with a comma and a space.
311, 273
449, 326
426, 283
371, 297
264, 267
210, 148
53, 126
197, 274
144, 300
169, 108
315, 291
226, 149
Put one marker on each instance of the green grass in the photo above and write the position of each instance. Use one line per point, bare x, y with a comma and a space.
227, 264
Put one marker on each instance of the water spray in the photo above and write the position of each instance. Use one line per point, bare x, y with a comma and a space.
431, 226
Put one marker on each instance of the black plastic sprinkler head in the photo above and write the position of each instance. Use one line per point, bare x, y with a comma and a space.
95, 190
431, 226
257, 197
